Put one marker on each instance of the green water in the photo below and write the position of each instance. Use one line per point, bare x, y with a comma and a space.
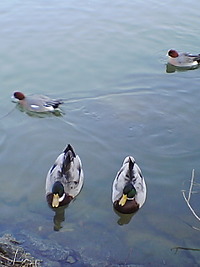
108, 61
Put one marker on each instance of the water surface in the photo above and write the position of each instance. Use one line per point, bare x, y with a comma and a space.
108, 61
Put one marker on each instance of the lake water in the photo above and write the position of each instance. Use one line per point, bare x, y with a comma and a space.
108, 60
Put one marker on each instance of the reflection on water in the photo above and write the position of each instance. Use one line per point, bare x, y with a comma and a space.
59, 217
124, 218
170, 68
113, 51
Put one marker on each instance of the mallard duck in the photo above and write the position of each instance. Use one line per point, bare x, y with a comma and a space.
37, 103
64, 179
129, 188
184, 60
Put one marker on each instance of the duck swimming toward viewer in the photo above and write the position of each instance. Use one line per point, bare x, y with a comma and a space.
185, 60
37, 103
129, 188
64, 180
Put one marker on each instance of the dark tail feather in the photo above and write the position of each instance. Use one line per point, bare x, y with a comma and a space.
131, 165
196, 58
69, 148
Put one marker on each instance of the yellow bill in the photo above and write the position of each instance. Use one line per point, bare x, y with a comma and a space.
122, 201
55, 201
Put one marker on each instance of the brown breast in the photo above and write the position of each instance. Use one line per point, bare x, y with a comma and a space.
130, 206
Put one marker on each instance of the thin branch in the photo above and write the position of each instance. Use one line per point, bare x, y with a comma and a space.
191, 185
187, 200
177, 248
15, 256
5, 258
183, 192
195, 228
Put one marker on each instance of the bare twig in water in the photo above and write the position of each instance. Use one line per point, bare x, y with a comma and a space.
5, 258
191, 186
178, 248
11, 254
25, 262
187, 199
15, 257
196, 228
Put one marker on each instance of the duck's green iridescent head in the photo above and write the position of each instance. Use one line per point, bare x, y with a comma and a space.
128, 193
58, 193
58, 188
129, 190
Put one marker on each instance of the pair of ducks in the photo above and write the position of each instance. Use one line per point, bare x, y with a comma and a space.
40, 103
65, 178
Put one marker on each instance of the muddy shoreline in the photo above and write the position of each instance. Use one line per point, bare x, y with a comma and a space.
35, 253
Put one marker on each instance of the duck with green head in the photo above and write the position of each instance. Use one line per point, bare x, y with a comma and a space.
64, 180
129, 188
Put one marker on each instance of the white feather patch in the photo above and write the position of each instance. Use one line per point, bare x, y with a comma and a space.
34, 106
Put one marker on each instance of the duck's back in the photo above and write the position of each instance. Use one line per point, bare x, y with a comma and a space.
71, 172
67, 169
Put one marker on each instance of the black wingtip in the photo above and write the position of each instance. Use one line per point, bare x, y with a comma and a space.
54, 103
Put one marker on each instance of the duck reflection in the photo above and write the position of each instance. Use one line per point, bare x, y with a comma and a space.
124, 218
170, 68
59, 217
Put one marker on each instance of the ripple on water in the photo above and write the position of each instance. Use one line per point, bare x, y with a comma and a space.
2, 139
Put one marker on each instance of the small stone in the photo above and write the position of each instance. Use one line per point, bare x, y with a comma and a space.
70, 260
40, 228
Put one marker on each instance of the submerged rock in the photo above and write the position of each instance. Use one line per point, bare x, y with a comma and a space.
51, 253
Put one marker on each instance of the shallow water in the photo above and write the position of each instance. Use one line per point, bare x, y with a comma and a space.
108, 62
